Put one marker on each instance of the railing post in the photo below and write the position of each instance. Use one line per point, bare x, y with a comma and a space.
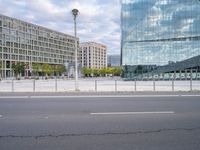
12, 85
154, 85
115, 85
33, 85
135, 84
172, 84
191, 80
95, 85
56, 84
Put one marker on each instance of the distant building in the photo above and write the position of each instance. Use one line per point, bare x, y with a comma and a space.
113, 60
28, 43
93, 55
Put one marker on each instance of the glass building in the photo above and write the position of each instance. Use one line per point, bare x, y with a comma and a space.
113, 60
160, 39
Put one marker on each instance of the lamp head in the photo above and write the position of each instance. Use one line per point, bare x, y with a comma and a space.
75, 12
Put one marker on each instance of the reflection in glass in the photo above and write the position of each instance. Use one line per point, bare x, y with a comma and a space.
158, 35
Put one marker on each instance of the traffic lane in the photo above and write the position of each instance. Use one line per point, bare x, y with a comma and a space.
156, 140
69, 124
45, 120
85, 105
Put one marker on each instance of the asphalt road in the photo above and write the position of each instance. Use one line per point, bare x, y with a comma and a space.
100, 123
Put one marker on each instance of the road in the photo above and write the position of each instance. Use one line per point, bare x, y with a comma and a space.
100, 123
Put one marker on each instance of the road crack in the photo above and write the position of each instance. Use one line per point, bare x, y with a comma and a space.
99, 134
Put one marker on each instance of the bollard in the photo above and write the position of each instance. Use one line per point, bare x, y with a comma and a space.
12, 85
95, 85
115, 85
33, 85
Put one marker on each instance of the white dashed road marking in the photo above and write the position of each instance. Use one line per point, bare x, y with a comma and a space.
132, 113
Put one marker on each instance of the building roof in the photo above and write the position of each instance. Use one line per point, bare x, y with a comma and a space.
92, 43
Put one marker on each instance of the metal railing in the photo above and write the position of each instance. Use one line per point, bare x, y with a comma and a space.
97, 85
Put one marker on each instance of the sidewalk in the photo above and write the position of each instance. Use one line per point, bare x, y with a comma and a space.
65, 94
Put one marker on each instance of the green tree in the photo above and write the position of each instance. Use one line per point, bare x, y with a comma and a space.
1, 68
109, 70
51, 70
103, 72
18, 69
36, 68
59, 69
47, 69
1, 65
116, 71
95, 72
86, 71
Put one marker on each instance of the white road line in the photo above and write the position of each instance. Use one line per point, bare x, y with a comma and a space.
90, 96
11, 97
191, 95
133, 113
107, 96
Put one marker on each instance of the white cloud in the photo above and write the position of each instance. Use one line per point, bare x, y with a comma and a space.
99, 20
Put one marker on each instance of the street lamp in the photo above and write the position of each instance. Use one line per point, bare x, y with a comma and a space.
75, 14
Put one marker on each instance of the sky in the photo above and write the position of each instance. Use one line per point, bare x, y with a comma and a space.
98, 20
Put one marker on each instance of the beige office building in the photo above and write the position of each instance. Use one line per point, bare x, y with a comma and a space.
25, 42
93, 55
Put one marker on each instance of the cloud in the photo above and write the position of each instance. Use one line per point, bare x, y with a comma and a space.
99, 20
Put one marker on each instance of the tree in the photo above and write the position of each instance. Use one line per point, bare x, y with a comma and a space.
51, 70
18, 69
47, 69
103, 71
1, 68
86, 71
59, 69
1, 65
116, 71
36, 68
109, 70
95, 72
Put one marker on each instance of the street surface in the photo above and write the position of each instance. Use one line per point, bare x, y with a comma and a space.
151, 122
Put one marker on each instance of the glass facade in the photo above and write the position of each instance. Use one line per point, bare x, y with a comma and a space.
113, 60
160, 37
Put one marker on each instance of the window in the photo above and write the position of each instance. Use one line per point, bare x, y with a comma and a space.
5, 24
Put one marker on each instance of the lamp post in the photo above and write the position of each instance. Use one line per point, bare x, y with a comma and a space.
75, 14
